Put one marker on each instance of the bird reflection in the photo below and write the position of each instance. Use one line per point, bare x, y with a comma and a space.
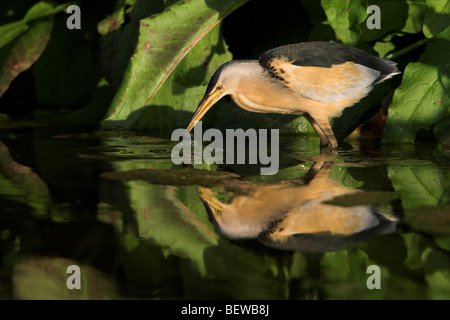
296, 215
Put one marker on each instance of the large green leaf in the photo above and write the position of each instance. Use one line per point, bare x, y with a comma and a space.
349, 267
396, 16
416, 12
22, 42
436, 18
160, 217
345, 17
14, 29
349, 19
420, 185
423, 96
119, 38
11, 31
436, 265
164, 40
19, 183
19, 55
181, 92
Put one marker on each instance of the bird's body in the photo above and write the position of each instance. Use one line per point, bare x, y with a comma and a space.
296, 214
315, 79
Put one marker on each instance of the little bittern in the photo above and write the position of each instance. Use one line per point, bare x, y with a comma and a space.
296, 214
315, 79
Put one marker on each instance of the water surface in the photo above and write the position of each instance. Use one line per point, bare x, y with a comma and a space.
138, 226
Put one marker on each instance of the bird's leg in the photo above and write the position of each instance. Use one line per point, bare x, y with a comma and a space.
320, 168
326, 128
323, 129
323, 138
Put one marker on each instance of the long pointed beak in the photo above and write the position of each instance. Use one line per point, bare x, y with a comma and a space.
207, 102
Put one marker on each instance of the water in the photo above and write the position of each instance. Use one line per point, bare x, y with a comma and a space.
327, 226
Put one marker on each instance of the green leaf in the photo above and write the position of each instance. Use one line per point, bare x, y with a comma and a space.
344, 275
422, 98
22, 42
164, 40
114, 21
160, 216
179, 95
179, 230
415, 243
119, 39
344, 17
344, 177
436, 18
383, 48
42, 9
415, 104
14, 29
11, 31
21, 184
20, 54
416, 13
420, 185
349, 19
436, 265
393, 17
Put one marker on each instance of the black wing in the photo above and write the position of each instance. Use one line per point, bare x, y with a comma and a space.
326, 71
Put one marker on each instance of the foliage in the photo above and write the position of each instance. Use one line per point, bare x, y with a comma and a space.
422, 100
182, 43
157, 57
23, 41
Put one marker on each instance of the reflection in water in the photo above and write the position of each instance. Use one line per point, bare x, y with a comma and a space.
135, 226
48, 278
294, 215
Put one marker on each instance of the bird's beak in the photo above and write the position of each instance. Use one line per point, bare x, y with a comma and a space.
207, 102
214, 206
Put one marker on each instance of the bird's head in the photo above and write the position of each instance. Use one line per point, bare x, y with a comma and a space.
222, 83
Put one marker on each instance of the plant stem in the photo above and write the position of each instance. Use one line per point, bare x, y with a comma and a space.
407, 49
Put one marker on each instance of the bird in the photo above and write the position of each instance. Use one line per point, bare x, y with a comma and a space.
316, 79
296, 214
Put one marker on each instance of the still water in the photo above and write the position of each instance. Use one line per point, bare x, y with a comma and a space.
368, 222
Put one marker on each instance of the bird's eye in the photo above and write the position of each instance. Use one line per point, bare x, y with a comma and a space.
219, 87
